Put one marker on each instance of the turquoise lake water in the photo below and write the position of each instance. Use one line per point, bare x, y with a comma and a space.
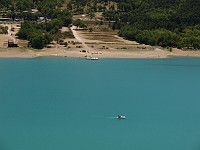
71, 104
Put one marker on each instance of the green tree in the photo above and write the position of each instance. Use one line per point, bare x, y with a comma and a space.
79, 23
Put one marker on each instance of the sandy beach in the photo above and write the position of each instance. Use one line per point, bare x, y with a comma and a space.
95, 44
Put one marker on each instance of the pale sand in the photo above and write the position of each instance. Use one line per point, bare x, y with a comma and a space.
157, 53
107, 46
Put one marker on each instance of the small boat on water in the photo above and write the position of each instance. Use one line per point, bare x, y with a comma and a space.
91, 58
120, 117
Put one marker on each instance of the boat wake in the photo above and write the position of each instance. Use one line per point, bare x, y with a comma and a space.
111, 117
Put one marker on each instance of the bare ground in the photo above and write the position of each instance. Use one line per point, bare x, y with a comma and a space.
97, 44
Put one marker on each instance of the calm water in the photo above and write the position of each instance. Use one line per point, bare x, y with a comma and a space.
70, 104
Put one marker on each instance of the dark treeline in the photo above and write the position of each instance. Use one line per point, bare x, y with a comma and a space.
173, 23
38, 32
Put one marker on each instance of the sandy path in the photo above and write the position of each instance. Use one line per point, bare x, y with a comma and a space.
78, 38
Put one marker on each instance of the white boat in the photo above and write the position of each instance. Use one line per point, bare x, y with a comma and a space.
120, 117
91, 58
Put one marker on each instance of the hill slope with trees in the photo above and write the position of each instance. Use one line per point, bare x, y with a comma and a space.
167, 23
39, 27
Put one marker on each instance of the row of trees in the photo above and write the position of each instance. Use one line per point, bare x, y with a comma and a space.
189, 37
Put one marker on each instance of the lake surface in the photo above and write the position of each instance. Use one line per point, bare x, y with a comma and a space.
71, 104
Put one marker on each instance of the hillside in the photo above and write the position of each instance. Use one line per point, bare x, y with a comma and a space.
167, 23
40, 20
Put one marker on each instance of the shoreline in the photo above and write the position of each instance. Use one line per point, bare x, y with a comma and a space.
95, 44
70, 53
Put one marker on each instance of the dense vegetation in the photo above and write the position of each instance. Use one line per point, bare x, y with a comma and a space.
41, 34
173, 23
167, 23
38, 32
